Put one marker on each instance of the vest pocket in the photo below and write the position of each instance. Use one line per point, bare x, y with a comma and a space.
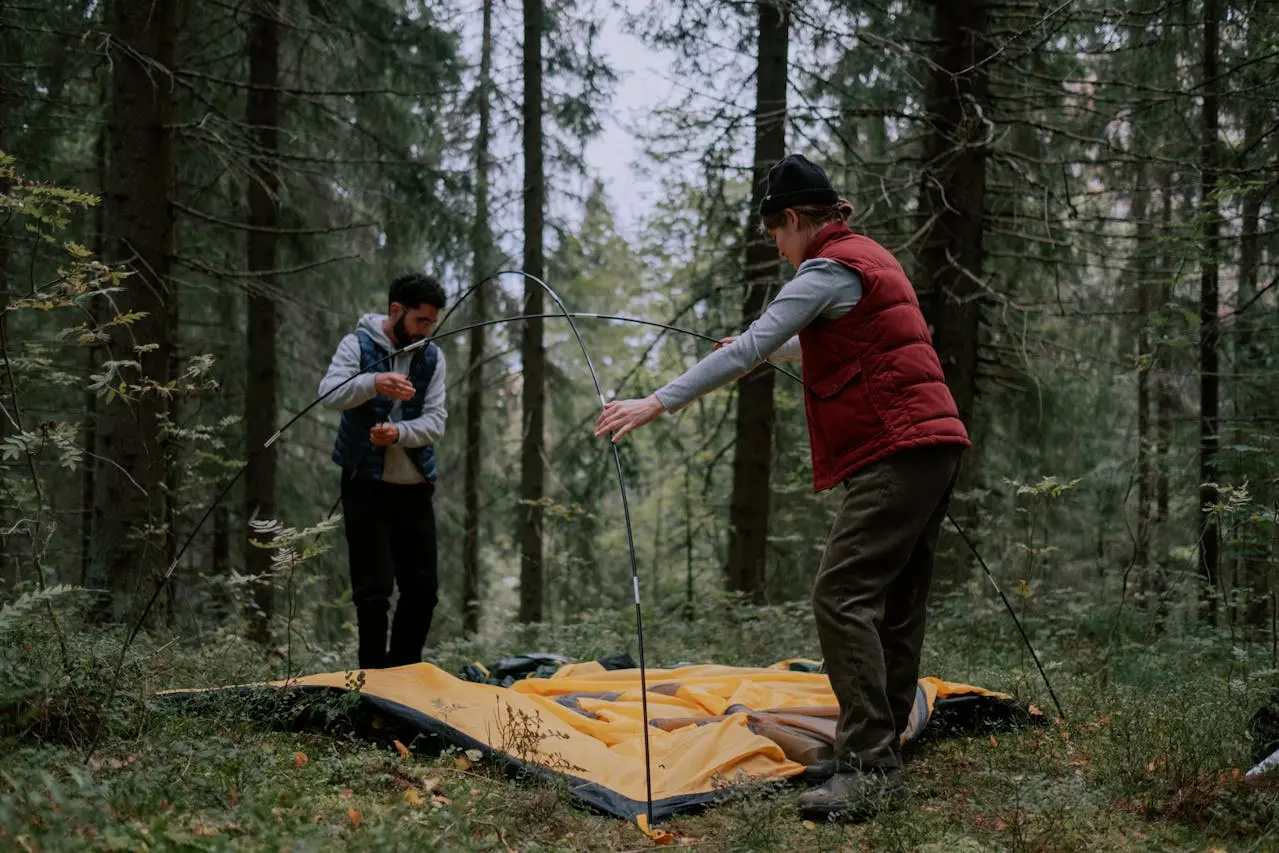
843, 411
831, 385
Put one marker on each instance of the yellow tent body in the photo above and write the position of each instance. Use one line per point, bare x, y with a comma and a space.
711, 727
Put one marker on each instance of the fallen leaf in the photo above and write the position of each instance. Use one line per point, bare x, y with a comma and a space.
412, 798
1034, 711
299, 758
461, 763
1065, 735
346, 794
993, 742
429, 785
474, 755
1138, 835
402, 749
354, 817
112, 763
1235, 773
808, 824
233, 797
1000, 825
440, 800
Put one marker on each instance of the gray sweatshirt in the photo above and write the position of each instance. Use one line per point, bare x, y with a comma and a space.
821, 288
425, 429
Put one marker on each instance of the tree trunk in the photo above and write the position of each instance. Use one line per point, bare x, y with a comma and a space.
128, 506
1209, 319
952, 204
91, 358
263, 114
7, 96
1165, 394
1142, 359
1165, 403
481, 254
532, 353
1255, 399
753, 449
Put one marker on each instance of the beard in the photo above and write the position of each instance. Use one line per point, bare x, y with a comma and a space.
402, 336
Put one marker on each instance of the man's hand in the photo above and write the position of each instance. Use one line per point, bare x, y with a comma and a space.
723, 342
394, 385
384, 434
621, 416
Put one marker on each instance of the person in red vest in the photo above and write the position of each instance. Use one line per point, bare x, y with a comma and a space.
883, 424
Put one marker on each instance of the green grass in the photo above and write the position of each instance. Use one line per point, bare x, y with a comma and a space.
1146, 760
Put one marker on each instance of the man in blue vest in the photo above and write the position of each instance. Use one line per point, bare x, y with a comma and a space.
392, 417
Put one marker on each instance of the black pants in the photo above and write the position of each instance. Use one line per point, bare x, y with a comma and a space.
390, 537
871, 595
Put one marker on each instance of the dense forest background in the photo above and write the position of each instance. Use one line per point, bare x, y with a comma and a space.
200, 199
1082, 194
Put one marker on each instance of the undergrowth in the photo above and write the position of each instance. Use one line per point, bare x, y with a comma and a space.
1149, 756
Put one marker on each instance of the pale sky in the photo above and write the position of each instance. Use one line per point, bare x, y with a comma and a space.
615, 155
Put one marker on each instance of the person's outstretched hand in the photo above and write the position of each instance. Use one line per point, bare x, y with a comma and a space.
621, 416
723, 342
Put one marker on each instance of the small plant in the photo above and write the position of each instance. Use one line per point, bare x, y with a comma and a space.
520, 734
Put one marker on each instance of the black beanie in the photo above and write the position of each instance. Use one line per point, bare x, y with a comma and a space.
793, 181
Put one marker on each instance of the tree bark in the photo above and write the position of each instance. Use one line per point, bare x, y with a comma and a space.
7, 96
127, 507
1209, 319
952, 205
753, 449
91, 357
481, 254
1255, 399
263, 115
532, 353
1165, 404
1142, 359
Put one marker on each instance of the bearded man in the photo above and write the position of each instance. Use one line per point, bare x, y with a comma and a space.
391, 419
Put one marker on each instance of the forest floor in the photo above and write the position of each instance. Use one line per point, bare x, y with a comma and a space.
1150, 758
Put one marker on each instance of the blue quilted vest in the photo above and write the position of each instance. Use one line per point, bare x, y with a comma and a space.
353, 449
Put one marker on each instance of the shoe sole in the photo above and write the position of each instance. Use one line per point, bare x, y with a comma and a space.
873, 808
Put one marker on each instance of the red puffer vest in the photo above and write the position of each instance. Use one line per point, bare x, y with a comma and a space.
874, 384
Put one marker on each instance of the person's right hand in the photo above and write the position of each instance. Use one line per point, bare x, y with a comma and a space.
723, 342
394, 385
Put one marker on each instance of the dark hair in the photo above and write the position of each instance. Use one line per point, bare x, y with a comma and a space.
809, 214
415, 289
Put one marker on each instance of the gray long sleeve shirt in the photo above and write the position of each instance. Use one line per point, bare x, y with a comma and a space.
821, 288
425, 429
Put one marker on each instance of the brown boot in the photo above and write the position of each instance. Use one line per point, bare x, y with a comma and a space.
854, 795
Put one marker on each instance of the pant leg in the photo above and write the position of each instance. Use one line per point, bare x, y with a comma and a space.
905, 612
414, 549
371, 566
885, 510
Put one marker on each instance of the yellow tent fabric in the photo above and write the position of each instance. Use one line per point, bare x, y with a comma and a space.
711, 726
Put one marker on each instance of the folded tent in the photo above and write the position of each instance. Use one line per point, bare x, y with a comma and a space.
711, 727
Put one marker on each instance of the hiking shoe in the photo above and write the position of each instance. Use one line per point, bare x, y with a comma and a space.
816, 774
854, 795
